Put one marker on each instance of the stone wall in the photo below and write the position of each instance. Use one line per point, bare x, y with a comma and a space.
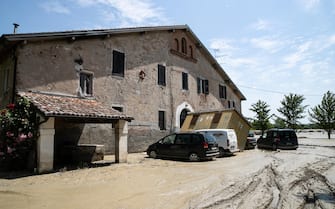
52, 66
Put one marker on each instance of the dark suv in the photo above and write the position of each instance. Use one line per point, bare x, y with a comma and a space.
191, 146
278, 139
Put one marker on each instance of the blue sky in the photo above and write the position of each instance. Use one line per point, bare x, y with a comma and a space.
269, 48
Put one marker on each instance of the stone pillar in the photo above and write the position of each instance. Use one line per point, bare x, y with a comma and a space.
121, 141
45, 146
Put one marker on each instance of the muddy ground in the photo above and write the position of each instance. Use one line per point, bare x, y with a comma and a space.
302, 178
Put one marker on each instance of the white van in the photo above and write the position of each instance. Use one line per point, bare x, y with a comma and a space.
226, 138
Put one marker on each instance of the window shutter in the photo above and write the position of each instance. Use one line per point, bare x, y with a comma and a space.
118, 63
161, 75
206, 88
185, 81
199, 85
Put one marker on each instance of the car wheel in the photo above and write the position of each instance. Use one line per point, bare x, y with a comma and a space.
193, 157
153, 154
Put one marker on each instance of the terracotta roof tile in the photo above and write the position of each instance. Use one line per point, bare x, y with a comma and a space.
52, 105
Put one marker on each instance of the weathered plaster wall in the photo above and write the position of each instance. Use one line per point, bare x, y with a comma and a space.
51, 66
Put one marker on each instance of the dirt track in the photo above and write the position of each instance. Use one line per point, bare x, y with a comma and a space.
303, 178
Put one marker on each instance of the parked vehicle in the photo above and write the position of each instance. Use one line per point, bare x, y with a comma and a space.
226, 138
251, 141
191, 146
278, 139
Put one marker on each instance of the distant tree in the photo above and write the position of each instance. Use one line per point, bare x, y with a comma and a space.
262, 110
324, 113
292, 109
279, 123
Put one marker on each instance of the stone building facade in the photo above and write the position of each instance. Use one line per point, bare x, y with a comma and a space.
155, 74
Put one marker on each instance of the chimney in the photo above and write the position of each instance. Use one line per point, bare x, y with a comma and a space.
15, 27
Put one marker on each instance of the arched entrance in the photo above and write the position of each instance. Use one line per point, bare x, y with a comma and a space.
183, 116
181, 113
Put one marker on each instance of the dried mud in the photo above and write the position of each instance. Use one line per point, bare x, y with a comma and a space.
302, 178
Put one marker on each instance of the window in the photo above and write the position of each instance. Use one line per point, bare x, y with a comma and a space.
223, 92
118, 108
202, 86
161, 75
118, 63
161, 120
86, 83
191, 52
176, 44
185, 81
183, 46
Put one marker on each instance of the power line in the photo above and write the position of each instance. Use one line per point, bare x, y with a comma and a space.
276, 92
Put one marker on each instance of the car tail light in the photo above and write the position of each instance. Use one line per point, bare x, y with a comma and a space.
228, 142
205, 145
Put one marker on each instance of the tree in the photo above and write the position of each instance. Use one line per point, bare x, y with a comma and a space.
262, 111
324, 113
292, 109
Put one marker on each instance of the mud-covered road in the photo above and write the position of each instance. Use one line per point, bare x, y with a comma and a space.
302, 178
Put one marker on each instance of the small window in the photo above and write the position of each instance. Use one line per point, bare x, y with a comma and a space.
202, 86
176, 42
183, 46
191, 51
233, 104
185, 81
118, 63
161, 120
229, 105
161, 75
223, 92
86, 83
118, 108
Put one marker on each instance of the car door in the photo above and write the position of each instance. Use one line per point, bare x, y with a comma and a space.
164, 146
181, 145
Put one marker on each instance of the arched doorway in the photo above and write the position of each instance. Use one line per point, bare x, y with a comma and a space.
180, 114
183, 115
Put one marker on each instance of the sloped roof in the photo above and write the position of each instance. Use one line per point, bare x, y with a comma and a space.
52, 105
10, 40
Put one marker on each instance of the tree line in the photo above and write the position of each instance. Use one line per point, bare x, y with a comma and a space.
292, 110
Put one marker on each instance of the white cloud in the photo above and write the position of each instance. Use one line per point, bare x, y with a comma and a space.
265, 43
261, 25
55, 7
309, 4
128, 12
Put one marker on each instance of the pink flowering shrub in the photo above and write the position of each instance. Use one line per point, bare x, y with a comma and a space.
18, 129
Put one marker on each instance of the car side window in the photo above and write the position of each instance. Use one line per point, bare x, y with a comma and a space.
196, 139
169, 139
182, 139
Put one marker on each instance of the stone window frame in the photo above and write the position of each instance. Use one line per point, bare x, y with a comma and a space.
86, 83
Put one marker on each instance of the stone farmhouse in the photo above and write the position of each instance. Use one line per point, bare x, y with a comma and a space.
148, 77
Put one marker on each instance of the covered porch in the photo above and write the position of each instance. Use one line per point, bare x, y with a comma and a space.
64, 109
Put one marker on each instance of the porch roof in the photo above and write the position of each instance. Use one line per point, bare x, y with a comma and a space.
72, 107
